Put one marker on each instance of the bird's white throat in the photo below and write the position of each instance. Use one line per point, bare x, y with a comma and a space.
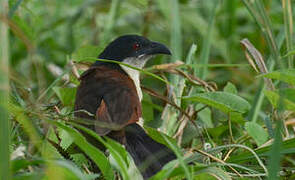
138, 62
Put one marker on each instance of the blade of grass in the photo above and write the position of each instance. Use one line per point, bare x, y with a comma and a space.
116, 150
4, 94
206, 45
259, 96
190, 55
251, 51
53, 84
29, 128
180, 158
258, 12
176, 45
275, 157
127, 65
95, 154
288, 22
231, 11
214, 65
260, 162
176, 36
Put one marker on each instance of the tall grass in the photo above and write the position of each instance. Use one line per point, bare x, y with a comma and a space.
288, 22
200, 110
4, 93
206, 46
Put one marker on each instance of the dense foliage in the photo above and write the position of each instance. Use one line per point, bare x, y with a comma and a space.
224, 102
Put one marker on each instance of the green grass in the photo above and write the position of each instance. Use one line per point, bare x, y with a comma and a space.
214, 110
4, 95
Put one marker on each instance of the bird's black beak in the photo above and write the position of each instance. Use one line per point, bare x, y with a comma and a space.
157, 48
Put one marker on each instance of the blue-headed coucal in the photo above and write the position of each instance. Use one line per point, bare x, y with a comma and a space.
111, 95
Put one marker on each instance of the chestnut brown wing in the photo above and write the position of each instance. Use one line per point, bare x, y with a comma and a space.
109, 95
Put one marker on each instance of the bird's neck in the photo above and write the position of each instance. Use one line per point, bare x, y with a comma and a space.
133, 73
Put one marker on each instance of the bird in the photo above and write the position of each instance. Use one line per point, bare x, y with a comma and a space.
110, 95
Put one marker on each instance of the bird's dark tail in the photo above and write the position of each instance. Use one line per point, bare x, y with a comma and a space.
148, 155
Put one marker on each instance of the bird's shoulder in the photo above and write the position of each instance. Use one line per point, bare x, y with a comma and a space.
107, 75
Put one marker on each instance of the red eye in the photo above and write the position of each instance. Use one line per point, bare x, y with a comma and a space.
135, 46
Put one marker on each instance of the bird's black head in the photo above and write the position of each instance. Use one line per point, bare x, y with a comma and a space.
132, 46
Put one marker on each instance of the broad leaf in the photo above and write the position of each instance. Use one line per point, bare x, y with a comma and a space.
158, 136
116, 150
256, 132
95, 154
230, 88
287, 98
286, 75
66, 95
147, 109
18, 164
224, 101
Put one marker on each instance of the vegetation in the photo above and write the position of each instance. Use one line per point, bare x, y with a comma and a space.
224, 102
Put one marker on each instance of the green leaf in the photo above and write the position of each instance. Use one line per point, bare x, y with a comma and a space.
95, 154
285, 75
286, 148
274, 163
86, 52
79, 159
69, 169
148, 110
29, 175
290, 53
66, 139
158, 136
217, 172
237, 117
230, 88
119, 151
206, 117
256, 132
191, 53
216, 132
116, 150
223, 101
288, 98
18, 164
170, 171
66, 95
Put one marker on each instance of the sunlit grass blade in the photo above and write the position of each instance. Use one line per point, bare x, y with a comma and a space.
4, 95
215, 65
127, 65
176, 36
190, 56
